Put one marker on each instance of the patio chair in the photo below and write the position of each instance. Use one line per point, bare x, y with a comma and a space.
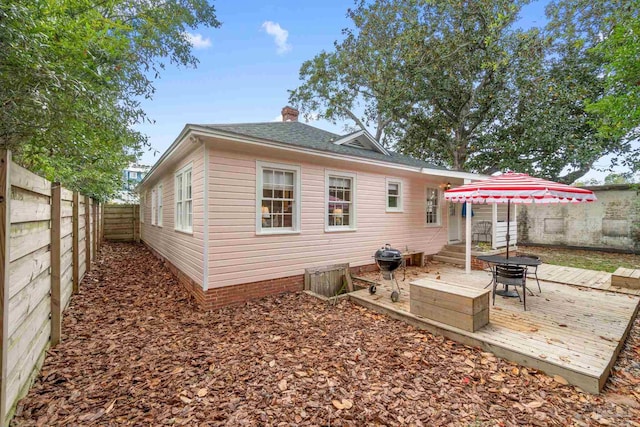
532, 271
481, 228
511, 275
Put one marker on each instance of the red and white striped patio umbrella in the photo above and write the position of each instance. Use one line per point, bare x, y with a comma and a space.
518, 188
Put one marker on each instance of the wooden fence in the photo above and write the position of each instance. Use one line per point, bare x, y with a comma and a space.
49, 236
122, 222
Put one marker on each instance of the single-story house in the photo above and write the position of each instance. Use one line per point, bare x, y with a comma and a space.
239, 211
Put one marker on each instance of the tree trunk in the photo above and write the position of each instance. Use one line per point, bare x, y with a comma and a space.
459, 151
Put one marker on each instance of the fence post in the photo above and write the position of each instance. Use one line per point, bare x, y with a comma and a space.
5, 235
102, 224
100, 205
94, 208
75, 264
56, 306
87, 233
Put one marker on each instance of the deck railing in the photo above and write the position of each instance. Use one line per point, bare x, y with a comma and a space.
500, 240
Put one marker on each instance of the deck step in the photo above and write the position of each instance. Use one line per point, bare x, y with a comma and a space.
454, 248
446, 253
449, 260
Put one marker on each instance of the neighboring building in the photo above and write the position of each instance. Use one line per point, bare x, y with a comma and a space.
239, 211
131, 177
613, 222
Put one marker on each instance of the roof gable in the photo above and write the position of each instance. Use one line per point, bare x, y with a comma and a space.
363, 140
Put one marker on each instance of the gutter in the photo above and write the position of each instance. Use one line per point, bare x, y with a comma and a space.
196, 131
455, 174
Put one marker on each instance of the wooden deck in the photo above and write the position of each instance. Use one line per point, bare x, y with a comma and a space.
581, 277
573, 332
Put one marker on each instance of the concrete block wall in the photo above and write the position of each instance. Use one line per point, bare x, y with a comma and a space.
611, 223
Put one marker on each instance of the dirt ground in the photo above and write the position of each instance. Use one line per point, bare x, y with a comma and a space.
592, 260
137, 351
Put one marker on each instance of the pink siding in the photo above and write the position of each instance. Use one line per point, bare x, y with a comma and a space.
183, 250
237, 255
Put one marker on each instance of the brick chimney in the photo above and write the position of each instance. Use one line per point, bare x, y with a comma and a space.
290, 114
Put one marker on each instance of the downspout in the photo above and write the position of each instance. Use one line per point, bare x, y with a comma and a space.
205, 231
467, 236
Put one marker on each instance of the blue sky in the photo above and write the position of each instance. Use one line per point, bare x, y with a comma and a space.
248, 64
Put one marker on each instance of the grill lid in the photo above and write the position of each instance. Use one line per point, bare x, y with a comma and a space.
390, 254
387, 253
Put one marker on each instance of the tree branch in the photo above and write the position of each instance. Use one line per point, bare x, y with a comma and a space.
571, 177
354, 118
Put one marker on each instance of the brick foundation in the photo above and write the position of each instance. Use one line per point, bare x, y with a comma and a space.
476, 264
363, 269
216, 298
237, 294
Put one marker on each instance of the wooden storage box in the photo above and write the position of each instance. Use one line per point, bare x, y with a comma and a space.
326, 281
626, 278
455, 305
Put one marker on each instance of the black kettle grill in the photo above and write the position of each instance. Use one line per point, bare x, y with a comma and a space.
388, 260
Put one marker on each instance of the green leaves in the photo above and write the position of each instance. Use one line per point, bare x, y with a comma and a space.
457, 84
616, 113
71, 76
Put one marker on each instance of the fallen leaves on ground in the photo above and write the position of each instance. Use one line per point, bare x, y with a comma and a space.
137, 351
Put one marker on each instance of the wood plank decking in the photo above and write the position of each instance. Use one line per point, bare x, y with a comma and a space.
581, 277
573, 332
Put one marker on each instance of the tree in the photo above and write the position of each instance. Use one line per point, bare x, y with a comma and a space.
619, 178
72, 74
455, 83
618, 115
361, 80
549, 133
465, 84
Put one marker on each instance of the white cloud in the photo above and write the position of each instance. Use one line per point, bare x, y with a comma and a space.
197, 41
278, 119
280, 36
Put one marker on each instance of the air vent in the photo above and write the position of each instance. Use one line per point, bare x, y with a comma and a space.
357, 144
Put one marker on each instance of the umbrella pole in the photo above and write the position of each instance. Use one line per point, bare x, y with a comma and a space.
508, 224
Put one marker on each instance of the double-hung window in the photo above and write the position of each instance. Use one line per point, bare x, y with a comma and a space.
432, 204
154, 207
277, 198
394, 195
340, 203
184, 199
160, 205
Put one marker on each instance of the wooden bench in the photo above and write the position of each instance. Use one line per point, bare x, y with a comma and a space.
455, 305
626, 278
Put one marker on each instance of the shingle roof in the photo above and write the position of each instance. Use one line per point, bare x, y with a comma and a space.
303, 135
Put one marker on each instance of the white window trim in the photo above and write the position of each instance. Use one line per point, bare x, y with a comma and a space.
154, 207
440, 202
340, 174
297, 202
400, 207
160, 207
178, 225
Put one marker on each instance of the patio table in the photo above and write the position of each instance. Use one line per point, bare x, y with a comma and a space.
494, 260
